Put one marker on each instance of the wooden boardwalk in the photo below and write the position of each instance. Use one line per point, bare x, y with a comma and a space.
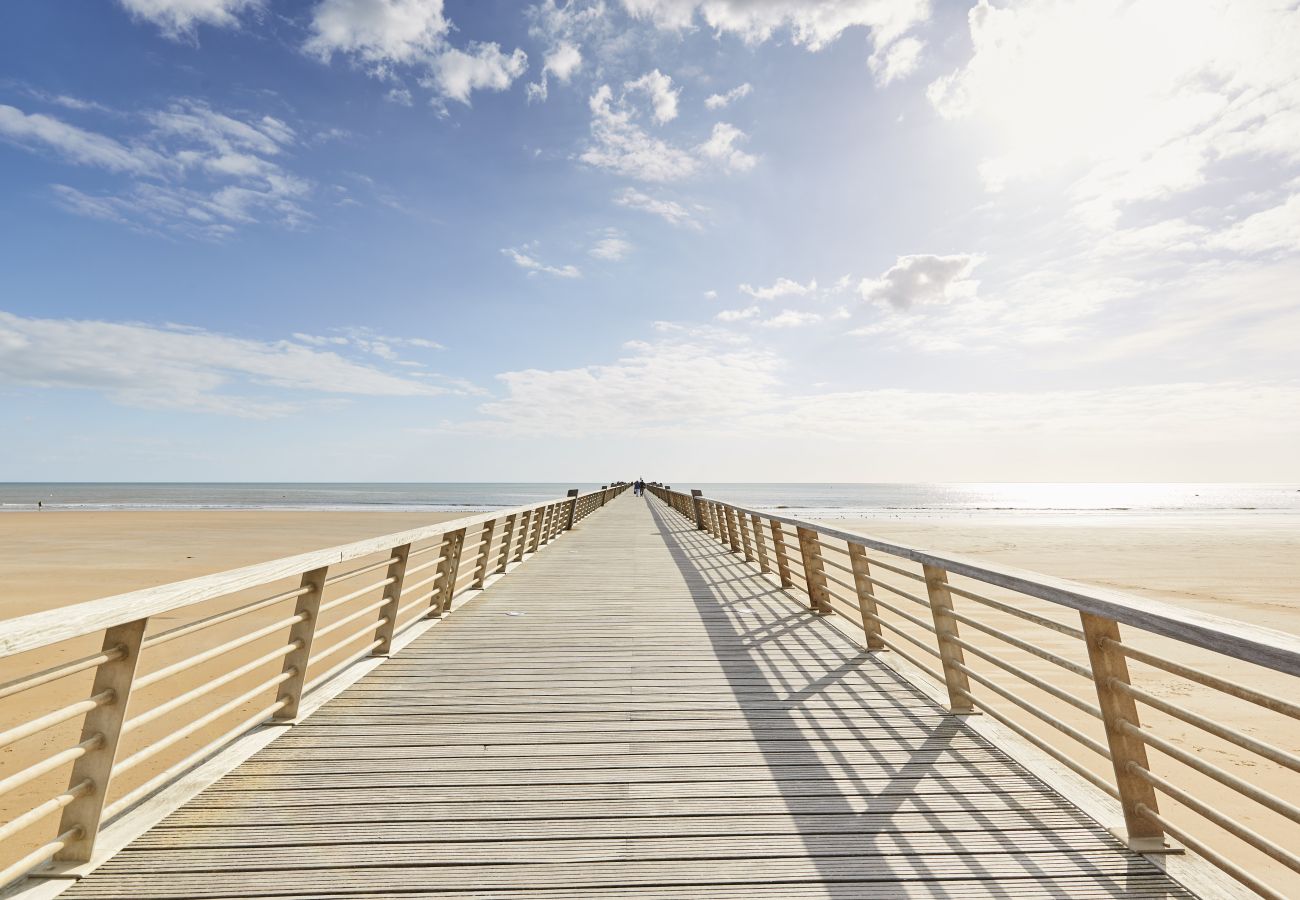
634, 713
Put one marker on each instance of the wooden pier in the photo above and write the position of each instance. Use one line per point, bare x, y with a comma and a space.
636, 712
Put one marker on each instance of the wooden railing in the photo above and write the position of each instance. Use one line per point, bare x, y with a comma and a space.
941, 613
137, 699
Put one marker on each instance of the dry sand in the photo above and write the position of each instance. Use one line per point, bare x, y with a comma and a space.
1238, 567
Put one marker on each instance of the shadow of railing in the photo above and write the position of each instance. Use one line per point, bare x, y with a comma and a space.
880, 783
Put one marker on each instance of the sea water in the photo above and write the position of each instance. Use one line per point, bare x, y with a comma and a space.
814, 501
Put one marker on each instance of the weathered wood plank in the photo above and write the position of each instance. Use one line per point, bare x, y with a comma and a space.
637, 716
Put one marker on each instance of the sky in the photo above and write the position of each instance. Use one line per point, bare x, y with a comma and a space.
710, 240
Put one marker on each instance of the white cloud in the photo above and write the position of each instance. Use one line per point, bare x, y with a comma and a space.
922, 280
710, 295
180, 18
812, 25
561, 62
612, 247
681, 382
791, 318
897, 60
1271, 231
177, 367
523, 259
75, 144
622, 146
734, 315
721, 101
457, 73
384, 35
1135, 101
721, 148
783, 287
377, 32
658, 87
670, 211
195, 172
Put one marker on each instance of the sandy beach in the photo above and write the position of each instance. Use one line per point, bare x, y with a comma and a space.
1237, 567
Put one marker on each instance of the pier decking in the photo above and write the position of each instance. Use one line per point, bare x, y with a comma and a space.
634, 713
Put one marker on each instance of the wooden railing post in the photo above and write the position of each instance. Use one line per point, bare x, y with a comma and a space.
301, 634
82, 815
524, 531
759, 544
539, 522
1117, 707
604, 494
732, 537
866, 596
782, 555
810, 550
573, 509
452, 545
484, 550
745, 544
392, 594
945, 627
507, 539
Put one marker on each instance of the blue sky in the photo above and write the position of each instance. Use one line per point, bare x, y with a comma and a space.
859, 240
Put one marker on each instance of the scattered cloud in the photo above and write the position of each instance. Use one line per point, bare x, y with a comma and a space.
180, 18
812, 25
783, 287
1273, 230
194, 171
612, 247
1075, 88
896, 60
923, 280
710, 295
734, 315
386, 37
180, 367
670, 211
523, 258
658, 88
721, 101
791, 318
621, 145
458, 73
721, 148
563, 60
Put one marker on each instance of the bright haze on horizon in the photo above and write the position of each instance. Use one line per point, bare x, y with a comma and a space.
733, 240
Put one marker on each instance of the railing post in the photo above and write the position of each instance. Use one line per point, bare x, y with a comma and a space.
484, 550
945, 628
810, 550
732, 538
452, 544
393, 594
1117, 708
866, 596
507, 539
573, 509
782, 557
539, 522
759, 544
524, 531
604, 494
105, 722
744, 537
301, 634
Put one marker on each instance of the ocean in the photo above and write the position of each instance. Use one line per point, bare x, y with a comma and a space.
819, 501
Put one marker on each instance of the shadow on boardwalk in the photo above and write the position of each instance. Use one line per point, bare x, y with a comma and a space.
907, 751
